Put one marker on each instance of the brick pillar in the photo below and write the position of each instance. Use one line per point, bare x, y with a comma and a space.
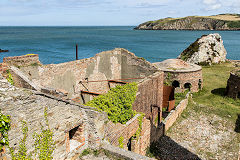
135, 145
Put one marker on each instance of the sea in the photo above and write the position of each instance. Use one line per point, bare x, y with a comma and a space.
57, 44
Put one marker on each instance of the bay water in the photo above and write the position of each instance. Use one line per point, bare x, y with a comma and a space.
57, 44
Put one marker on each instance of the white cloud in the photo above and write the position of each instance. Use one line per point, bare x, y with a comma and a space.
212, 4
215, 6
209, 1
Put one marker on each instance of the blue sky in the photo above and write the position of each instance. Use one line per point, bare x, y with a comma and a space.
105, 12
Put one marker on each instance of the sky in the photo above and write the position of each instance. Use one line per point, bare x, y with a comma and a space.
105, 12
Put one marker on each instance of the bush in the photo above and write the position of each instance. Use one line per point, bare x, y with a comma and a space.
4, 128
117, 103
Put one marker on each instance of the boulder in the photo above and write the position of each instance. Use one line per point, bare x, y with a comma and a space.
206, 50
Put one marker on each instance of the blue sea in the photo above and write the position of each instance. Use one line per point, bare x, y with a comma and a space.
57, 44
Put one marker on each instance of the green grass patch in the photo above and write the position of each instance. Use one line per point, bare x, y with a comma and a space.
213, 94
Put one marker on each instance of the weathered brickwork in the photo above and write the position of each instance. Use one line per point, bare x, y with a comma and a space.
69, 79
150, 133
181, 75
3, 68
233, 85
193, 78
149, 96
24, 60
114, 131
174, 114
91, 74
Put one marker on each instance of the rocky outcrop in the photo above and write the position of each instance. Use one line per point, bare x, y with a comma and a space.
206, 50
191, 23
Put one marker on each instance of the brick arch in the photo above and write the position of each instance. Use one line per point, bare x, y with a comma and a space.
187, 85
176, 84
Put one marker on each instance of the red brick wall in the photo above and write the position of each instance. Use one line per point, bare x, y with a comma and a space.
3, 68
186, 77
150, 95
114, 131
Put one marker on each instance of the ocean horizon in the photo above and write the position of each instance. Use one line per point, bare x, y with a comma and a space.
56, 44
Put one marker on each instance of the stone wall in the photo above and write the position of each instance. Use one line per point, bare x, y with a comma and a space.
25, 60
63, 116
193, 78
233, 85
174, 114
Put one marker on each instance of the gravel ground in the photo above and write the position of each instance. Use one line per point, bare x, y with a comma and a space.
208, 136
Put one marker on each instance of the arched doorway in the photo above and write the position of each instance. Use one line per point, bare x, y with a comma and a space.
175, 84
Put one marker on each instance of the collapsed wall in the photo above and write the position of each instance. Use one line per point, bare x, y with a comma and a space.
91, 74
75, 127
95, 76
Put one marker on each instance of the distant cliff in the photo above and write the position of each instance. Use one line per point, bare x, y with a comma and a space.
217, 22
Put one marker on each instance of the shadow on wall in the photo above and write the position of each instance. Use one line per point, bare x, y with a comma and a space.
237, 124
219, 91
168, 149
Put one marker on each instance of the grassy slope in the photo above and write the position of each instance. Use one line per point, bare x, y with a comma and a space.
210, 106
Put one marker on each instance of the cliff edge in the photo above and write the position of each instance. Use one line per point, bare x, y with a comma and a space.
216, 22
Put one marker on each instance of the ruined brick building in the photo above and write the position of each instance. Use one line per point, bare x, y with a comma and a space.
181, 75
75, 83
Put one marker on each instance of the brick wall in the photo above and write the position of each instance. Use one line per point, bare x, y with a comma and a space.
174, 114
149, 134
3, 68
24, 60
186, 77
149, 96
114, 131
233, 86
89, 74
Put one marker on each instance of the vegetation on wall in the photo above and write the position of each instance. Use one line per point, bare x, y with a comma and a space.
10, 78
117, 103
4, 128
139, 130
43, 143
120, 142
168, 79
22, 151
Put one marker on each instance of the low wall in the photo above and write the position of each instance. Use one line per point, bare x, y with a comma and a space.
114, 131
121, 153
24, 60
149, 134
174, 114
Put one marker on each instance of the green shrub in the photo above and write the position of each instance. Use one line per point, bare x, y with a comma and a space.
10, 78
120, 142
117, 103
4, 128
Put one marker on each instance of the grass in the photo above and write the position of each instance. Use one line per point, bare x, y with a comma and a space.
213, 95
180, 96
211, 101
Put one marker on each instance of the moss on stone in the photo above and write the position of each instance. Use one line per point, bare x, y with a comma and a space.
187, 53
